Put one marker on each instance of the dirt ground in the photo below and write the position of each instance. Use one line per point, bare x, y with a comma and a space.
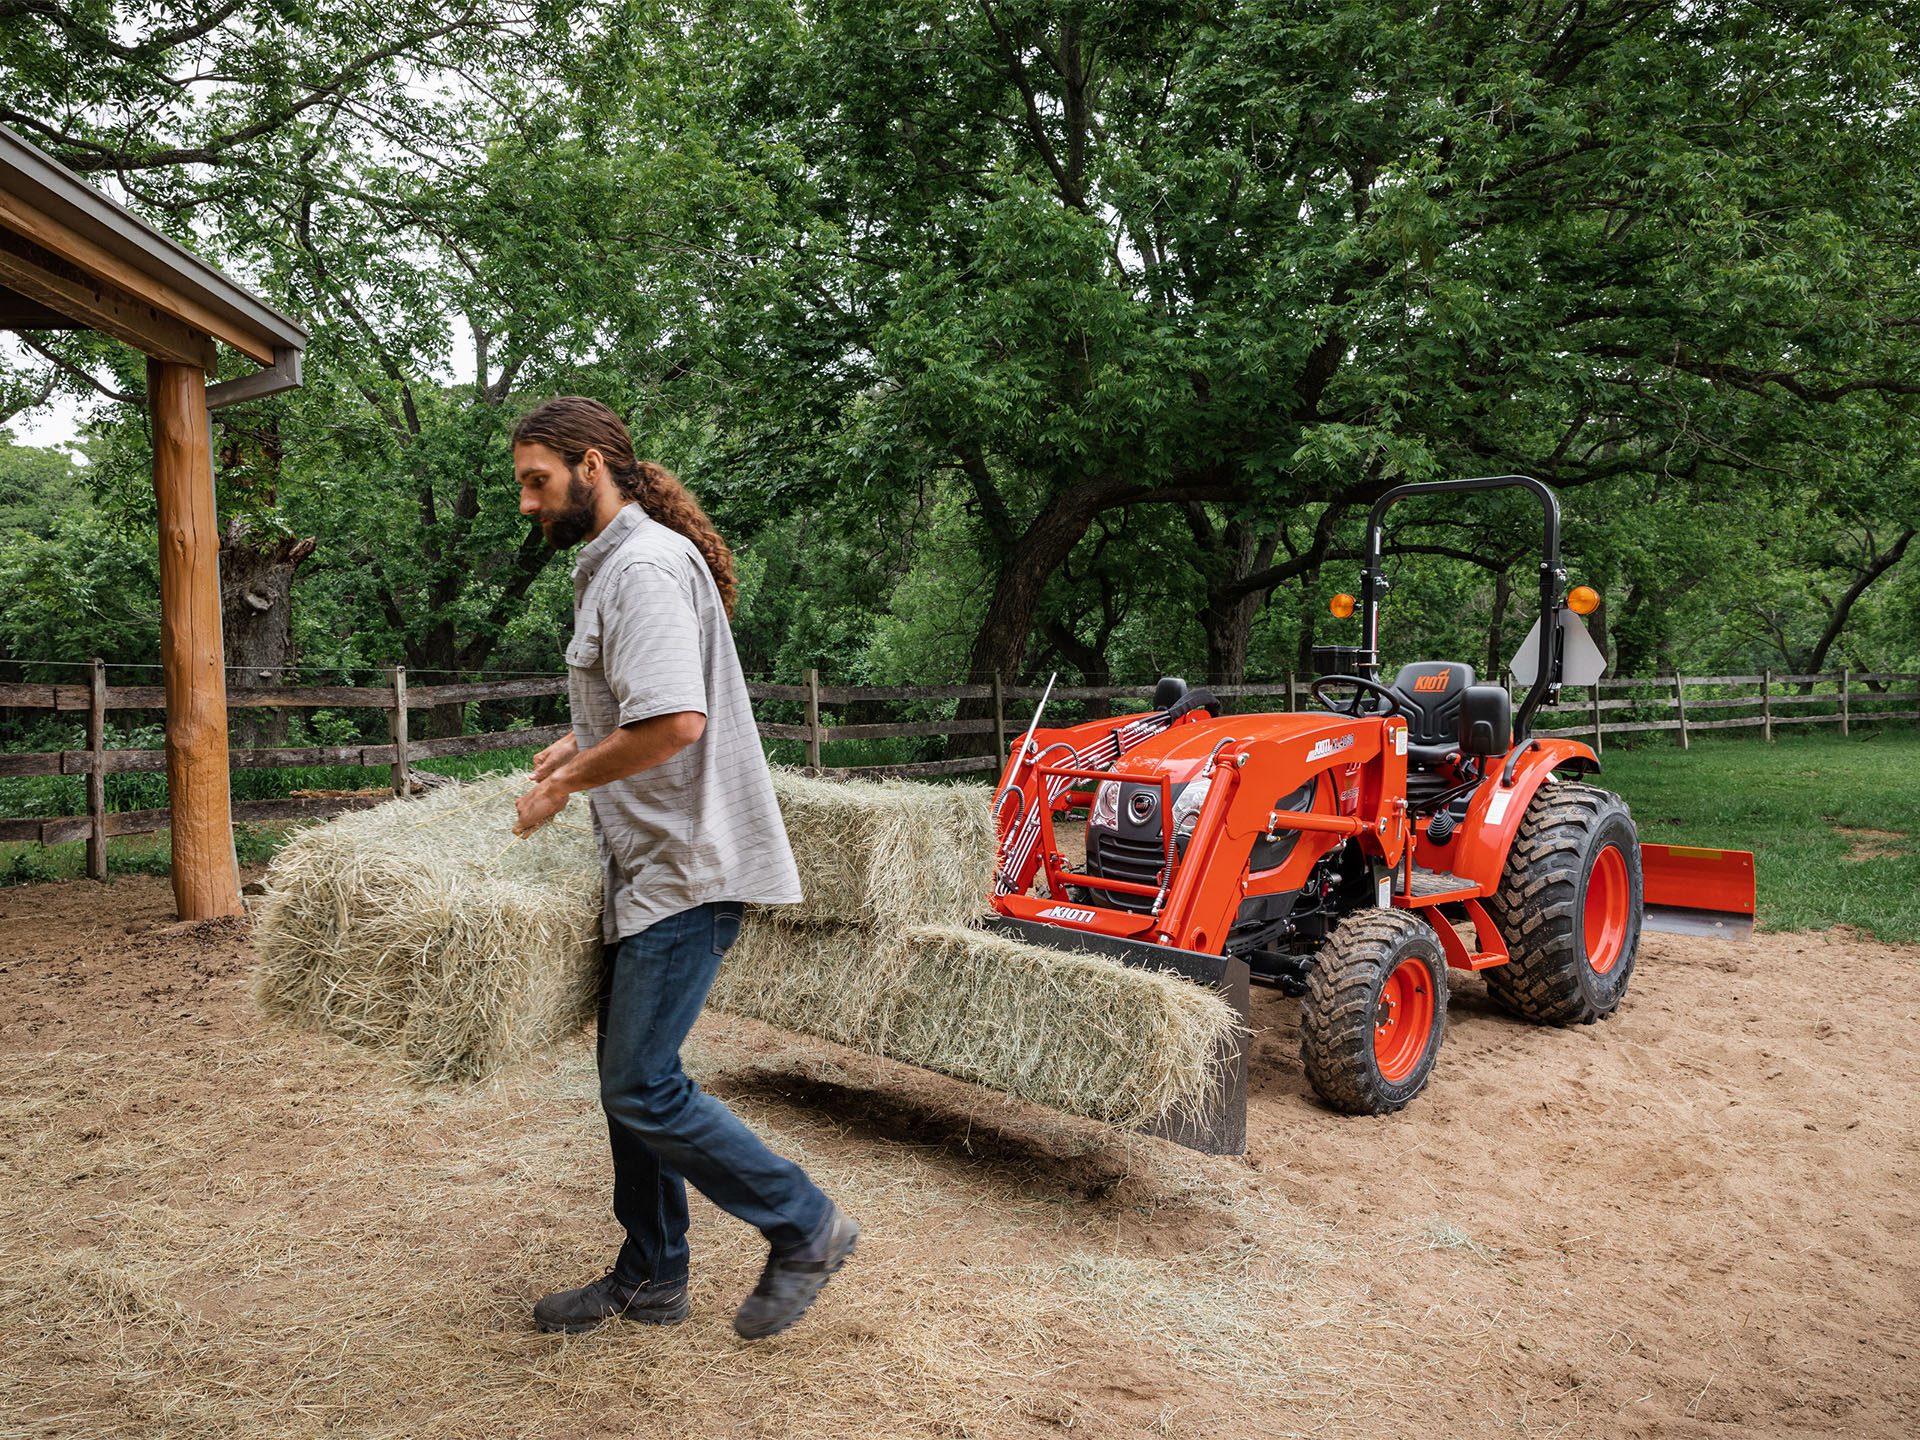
1695, 1219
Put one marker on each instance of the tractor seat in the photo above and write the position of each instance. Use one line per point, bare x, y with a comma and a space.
1434, 690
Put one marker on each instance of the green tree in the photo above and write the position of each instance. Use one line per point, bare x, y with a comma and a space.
1079, 257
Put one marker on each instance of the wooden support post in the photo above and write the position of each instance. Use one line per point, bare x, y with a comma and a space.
1293, 700
206, 884
813, 718
97, 775
1766, 704
397, 728
1680, 704
1596, 719
1846, 678
999, 720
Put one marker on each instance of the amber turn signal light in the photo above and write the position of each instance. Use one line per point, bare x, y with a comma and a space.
1583, 600
1341, 605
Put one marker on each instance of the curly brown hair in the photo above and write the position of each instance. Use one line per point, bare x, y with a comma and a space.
574, 424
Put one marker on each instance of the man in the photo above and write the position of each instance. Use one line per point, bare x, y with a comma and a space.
689, 831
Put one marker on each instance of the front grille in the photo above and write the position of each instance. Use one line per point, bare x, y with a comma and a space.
1114, 857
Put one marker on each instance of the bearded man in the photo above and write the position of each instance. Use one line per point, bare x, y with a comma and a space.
689, 832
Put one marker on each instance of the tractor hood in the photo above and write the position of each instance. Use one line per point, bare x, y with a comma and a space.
1180, 752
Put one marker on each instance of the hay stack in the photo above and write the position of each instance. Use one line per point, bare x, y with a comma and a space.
1073, 1031
422, 926
880, 958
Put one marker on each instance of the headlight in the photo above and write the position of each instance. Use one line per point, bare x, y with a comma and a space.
1106, 806
1186, 806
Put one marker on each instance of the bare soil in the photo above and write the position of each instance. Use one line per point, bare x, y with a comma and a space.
1694, 1219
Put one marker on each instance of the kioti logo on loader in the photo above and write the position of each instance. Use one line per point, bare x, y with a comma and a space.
1069, 913
1432, 682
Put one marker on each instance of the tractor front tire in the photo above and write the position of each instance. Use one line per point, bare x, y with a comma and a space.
1568, 907
1374, 1012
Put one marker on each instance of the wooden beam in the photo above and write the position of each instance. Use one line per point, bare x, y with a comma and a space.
43, 276
103, 264
205, 885
17, 312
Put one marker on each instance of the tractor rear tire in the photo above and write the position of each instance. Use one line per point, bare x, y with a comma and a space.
1568, 907
1374, 1013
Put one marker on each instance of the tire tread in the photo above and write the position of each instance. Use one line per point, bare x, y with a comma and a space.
1536, 911
1336, 1029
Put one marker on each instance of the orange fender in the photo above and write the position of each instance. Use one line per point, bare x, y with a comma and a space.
1478, 851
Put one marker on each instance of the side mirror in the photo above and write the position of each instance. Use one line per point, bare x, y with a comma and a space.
1169, 690
1486, 720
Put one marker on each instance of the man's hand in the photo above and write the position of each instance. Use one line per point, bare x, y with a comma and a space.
564, 769
538, 806
555, 755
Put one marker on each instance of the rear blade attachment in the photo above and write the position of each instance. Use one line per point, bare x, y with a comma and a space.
1220, 1128
1693, 891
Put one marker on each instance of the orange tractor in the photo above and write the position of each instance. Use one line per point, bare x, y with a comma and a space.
1352, 855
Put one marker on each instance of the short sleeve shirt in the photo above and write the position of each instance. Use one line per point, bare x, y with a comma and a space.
650, 637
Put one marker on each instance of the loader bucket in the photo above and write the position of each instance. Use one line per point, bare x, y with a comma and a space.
1221, 1128
1691, 891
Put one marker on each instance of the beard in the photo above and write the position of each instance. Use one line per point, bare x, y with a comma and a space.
568, 526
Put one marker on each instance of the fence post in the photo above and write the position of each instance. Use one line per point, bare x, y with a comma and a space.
97, 775
999, 721
397, 728
1293, 702
813, 718
1680, 704
1766, 703
1596, 719
1845, 677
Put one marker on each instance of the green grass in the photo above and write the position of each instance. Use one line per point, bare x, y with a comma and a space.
1789, 802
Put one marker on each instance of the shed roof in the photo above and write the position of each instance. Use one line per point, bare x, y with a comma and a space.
71, 256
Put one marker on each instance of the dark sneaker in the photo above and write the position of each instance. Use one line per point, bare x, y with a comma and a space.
794, 1279
574, 1312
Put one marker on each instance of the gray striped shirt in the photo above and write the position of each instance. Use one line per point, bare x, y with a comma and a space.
650, 637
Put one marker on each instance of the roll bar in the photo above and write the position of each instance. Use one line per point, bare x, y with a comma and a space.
1553, 580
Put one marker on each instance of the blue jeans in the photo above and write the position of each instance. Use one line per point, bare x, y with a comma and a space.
663, 1128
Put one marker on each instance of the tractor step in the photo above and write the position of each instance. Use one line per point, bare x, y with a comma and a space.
1221, 1127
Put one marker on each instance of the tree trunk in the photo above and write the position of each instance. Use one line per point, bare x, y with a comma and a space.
1877, 566
1000, 646
1496, 625
256, 622
1227, 617
1089, 660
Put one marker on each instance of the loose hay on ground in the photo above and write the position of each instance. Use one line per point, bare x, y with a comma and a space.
422, 926
1072, 1031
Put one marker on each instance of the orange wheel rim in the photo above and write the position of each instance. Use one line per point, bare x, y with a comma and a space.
1403, 1020
1605, 921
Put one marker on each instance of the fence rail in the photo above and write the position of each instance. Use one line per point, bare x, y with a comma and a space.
1662, 704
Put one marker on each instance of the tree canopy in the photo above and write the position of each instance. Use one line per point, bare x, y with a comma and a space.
1002, 337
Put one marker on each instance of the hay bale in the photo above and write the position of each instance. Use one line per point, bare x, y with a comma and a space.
839, 982
422, 926
1074, 1031
887, 853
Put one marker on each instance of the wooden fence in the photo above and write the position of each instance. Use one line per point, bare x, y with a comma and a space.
1657, 704
1672, 703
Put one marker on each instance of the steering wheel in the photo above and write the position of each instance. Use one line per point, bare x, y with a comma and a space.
1396, 702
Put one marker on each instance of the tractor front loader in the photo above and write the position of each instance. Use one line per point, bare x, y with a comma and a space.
1353, 855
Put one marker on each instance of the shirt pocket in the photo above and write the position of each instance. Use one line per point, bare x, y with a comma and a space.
583, 651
